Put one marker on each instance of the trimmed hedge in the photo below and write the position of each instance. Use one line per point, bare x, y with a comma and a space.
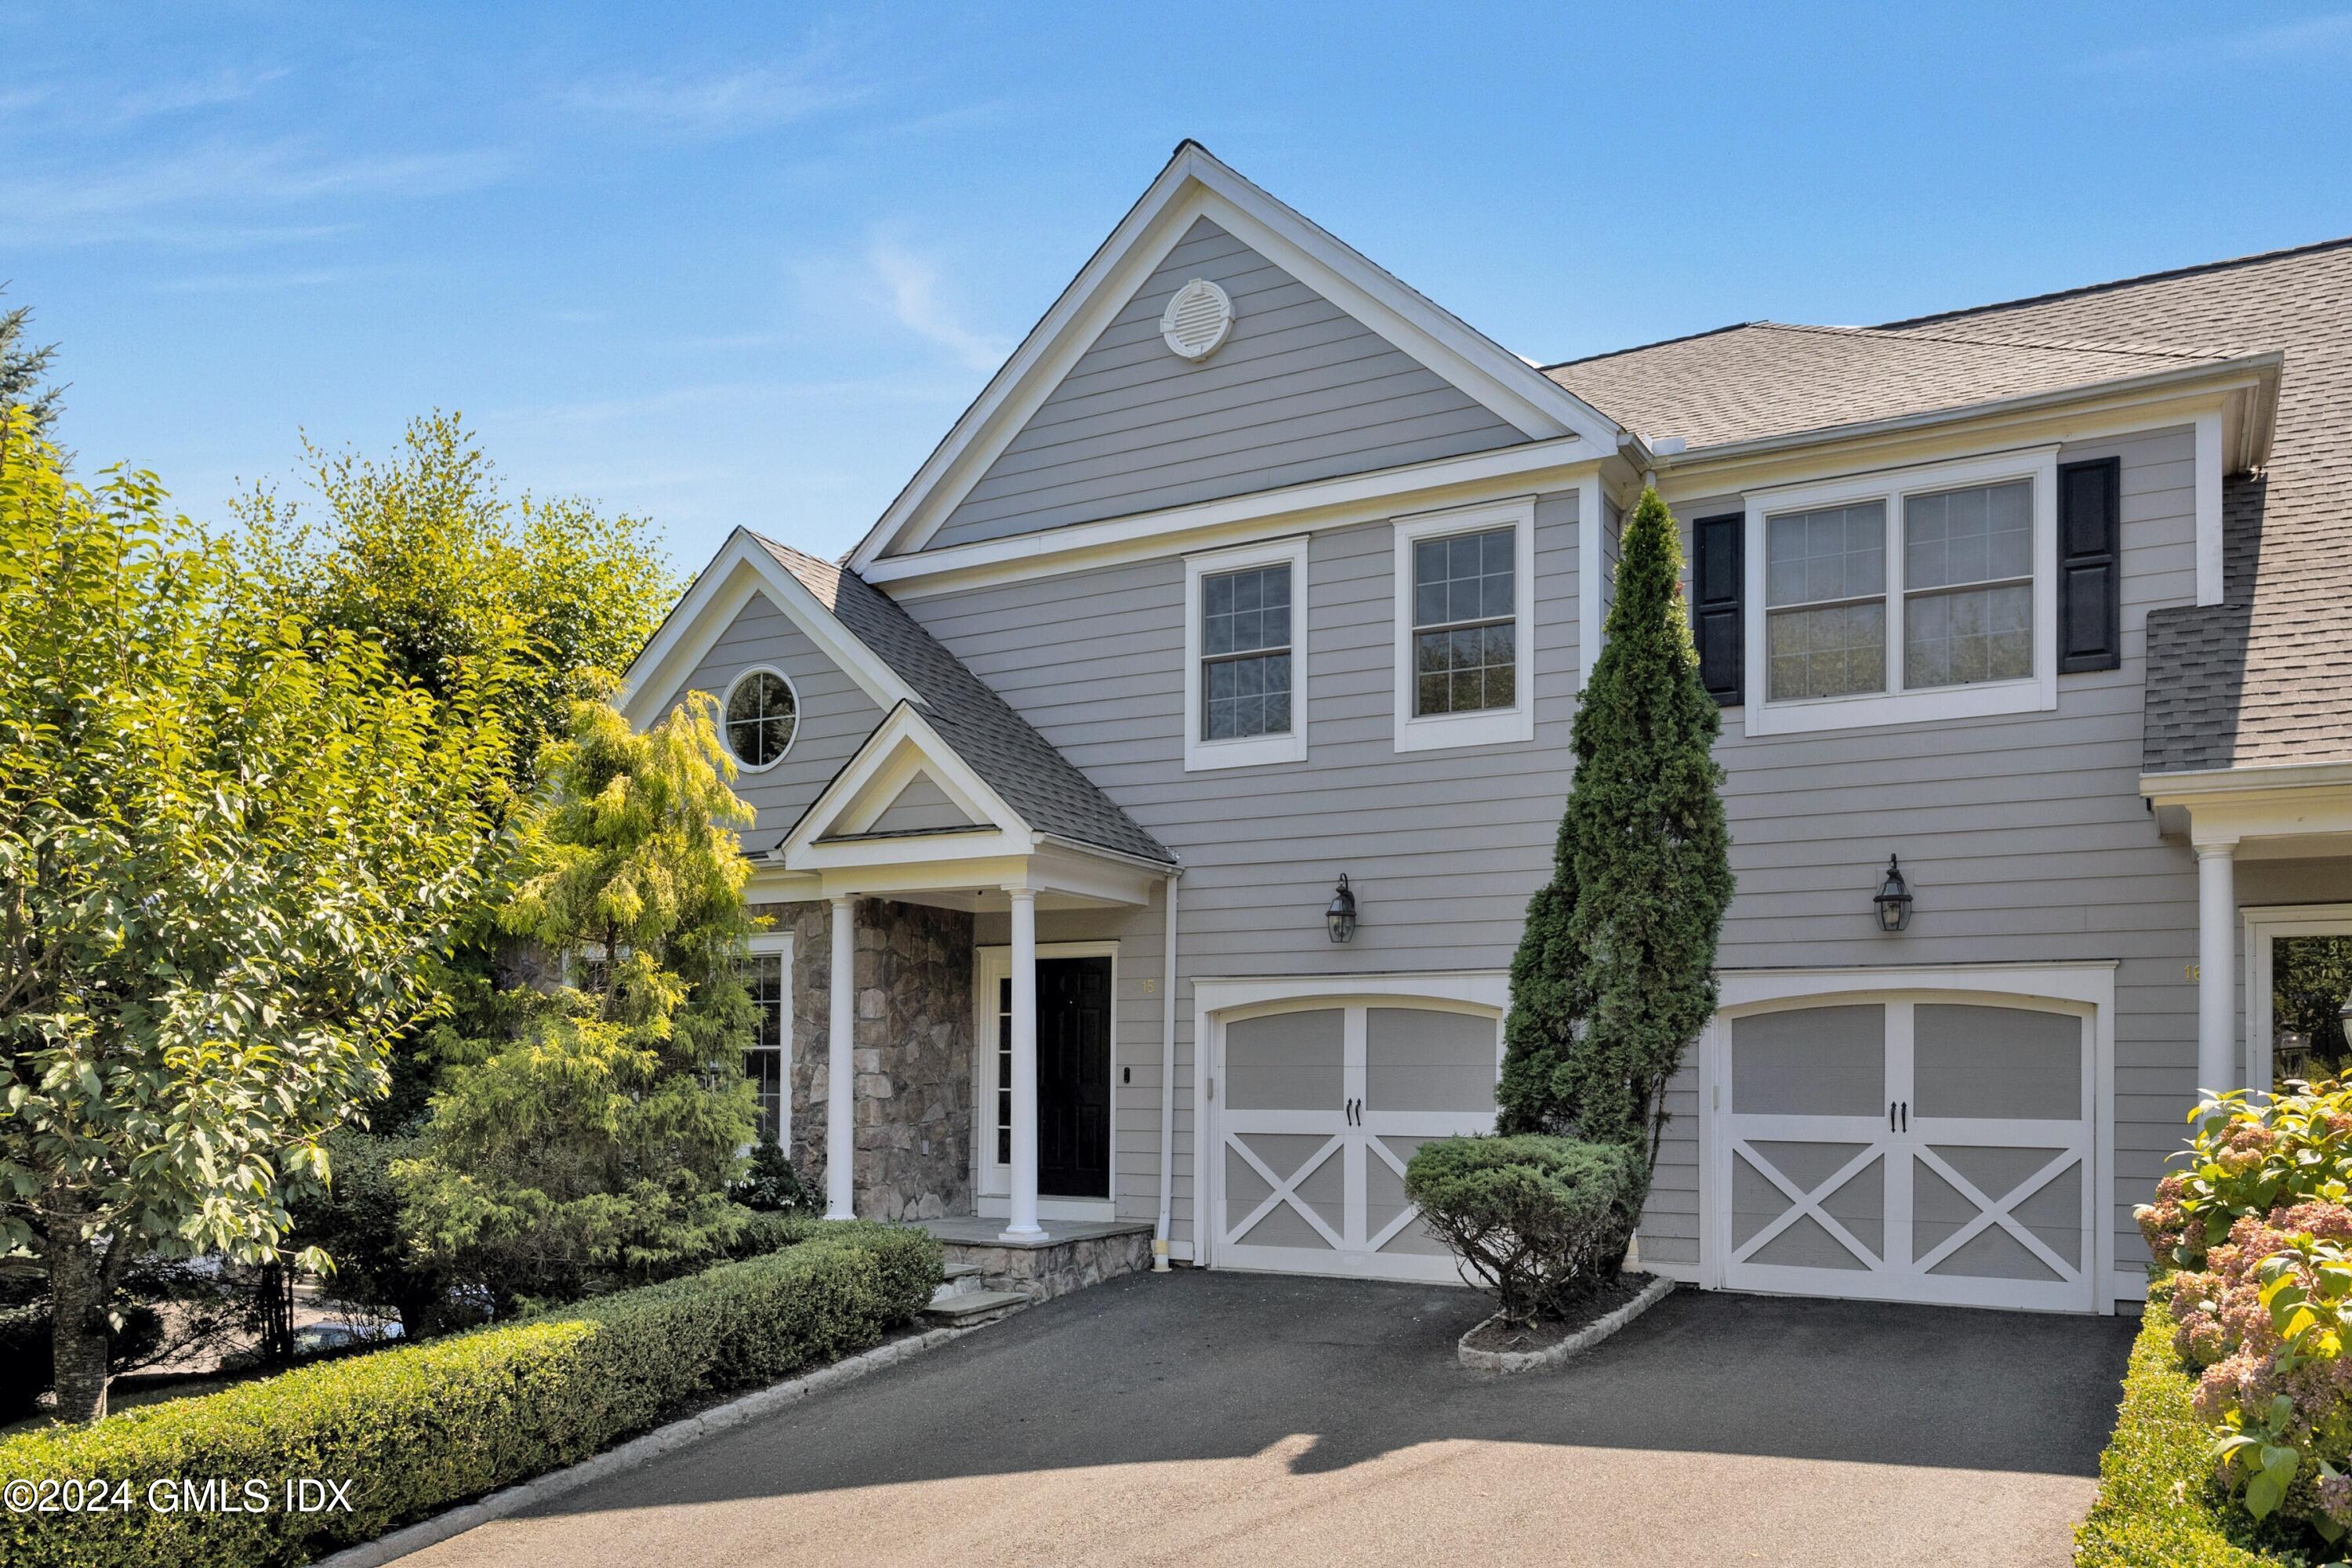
424, 1427
2155, 1507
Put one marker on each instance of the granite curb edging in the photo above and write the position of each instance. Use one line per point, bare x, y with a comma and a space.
513, 1500
1584, 1338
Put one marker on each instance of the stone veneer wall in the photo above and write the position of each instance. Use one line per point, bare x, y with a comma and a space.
912, 1053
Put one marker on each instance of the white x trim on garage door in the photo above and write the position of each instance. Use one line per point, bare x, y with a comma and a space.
1877, 1137
1318, 1093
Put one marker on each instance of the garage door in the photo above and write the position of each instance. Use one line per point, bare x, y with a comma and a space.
1321, 1107
1926, 1150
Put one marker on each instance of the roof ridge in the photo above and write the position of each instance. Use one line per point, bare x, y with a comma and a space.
2250, 260
2034, 341
1658, 343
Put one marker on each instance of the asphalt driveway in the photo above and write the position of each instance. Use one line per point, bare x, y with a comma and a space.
1226, 1419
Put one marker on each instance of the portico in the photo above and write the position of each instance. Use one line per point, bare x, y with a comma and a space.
2252, 831
910, 821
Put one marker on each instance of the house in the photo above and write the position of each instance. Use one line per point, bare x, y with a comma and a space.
1256, 587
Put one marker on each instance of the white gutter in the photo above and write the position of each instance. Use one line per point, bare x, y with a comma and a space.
1167, 1085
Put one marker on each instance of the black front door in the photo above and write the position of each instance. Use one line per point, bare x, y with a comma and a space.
1073, 1078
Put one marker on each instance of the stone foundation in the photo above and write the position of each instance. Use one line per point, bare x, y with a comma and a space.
911, 1051
1056, 1268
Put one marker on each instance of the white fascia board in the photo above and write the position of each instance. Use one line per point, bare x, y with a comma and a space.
2255, 375
904, 726
1536, 467
1196, 184
742, 568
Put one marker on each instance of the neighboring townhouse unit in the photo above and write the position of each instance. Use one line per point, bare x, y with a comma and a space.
1256, 585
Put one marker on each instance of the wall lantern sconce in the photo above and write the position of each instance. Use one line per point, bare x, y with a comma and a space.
1340, 917
1894, 899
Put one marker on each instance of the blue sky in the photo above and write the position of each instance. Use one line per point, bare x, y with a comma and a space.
745, 265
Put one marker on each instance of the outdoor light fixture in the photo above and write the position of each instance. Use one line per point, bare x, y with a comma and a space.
1340, 917
1894, 899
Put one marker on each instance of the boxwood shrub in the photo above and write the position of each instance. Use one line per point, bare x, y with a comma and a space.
425, 1426
2157, 1506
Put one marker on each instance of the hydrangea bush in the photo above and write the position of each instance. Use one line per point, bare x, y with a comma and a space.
2261, 1231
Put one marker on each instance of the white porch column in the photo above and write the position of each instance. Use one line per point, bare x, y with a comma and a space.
2217, 956
1023, 1224
840, 1135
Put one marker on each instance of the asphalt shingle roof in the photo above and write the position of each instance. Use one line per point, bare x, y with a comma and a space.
1049, 791
1773, 378
2263, 678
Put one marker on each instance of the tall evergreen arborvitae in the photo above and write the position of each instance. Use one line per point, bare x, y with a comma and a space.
1615, 972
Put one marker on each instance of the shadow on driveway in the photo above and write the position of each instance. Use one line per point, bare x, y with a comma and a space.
1199, 1417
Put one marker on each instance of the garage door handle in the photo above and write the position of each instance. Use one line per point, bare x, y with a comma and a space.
1907, 1116
1890, 1116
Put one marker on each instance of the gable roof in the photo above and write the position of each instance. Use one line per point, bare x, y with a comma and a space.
1039, 784
1194, 185
2264, 677
1763, 379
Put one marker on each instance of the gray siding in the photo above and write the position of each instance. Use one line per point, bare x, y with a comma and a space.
835, 715
921, 806
1443, 869
1300, 391
2023, 837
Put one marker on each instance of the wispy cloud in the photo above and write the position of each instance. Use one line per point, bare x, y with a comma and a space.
2309, 39
910, 285
730, 104
223, 192
878, 389
277, 281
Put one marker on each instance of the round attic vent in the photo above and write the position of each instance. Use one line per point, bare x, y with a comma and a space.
1197, 320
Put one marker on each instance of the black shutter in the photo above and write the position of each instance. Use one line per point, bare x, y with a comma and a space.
2090, 565
1718, 578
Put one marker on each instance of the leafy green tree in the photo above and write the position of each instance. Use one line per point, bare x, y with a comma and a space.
1615, 973
2311, 984
22, 366
229, 841
597, 1145
540, 602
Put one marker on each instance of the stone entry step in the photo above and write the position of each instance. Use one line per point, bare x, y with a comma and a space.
963, 1279
967, 1309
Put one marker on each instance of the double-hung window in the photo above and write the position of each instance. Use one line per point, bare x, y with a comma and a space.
1245, 644
1910, 595
767, 1061
1463, 604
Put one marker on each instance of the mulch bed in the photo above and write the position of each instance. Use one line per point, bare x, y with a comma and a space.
1587, 1310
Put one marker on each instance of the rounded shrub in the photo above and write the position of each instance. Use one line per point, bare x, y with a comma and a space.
1539, 1220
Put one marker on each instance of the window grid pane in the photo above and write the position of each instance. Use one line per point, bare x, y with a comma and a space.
1465, 645
1245, 649
1955, 633
761, 717
1835, 558
763, 1063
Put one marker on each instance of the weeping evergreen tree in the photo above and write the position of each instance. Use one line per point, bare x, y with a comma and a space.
1615, 973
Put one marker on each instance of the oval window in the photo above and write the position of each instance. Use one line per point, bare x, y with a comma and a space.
761, 717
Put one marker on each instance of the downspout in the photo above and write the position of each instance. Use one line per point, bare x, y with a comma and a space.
1167, 1085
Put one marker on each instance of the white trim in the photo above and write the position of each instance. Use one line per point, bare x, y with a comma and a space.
902, 745
1493, 726
990, 1180
2089, 984
1196, 184
1591, 516
742, 568
1216, 998
727, 699
1251, 751
1894, 705
2210, 469
2263, 925
1315, 506
2254, 376
780, 942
